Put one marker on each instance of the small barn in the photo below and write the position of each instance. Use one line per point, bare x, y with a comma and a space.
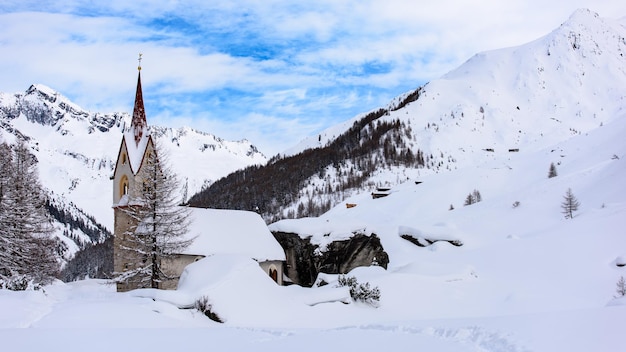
238, 232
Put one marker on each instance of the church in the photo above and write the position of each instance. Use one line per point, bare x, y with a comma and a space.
213, 231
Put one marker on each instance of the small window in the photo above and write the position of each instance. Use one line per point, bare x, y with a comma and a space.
123, 186
274, 274
123, 158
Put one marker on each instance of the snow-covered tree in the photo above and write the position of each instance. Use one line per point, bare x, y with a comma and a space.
473, 197
621, 287
27, 252
570, 204
160, 224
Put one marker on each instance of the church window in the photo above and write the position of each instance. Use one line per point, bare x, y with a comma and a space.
124, 186
123, 158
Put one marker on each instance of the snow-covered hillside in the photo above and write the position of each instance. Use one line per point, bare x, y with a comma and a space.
77, 149
569, 82
502, 102
525, 278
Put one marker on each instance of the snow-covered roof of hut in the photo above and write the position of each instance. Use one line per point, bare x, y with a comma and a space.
221, 231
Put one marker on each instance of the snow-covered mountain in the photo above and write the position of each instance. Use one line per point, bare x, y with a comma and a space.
77, 151
502, 102
524, 278
567, 82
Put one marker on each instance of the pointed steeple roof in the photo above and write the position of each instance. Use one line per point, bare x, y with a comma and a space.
139, 124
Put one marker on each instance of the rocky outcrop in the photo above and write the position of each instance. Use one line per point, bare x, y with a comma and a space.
305, 260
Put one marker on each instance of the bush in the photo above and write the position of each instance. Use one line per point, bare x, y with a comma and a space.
204, 306
360, 292
19, 283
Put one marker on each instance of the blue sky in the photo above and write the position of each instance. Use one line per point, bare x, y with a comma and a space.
273, 71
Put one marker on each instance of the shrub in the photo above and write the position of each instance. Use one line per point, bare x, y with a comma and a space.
204, 306
360, 292
19, 283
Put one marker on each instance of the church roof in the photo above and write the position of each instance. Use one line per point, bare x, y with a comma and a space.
137, 137
139, 124
241, 232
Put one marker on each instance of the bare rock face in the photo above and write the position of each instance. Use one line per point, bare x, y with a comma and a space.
305, 260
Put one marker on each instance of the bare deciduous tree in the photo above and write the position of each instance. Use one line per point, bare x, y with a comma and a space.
160, 224
26, 247
570, 204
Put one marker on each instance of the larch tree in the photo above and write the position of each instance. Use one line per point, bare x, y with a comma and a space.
28, 250
6, 239
570, 204
160, 224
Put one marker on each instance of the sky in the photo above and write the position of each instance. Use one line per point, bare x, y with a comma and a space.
272, 72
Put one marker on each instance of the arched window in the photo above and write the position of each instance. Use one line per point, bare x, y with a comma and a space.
123, 186
123, 158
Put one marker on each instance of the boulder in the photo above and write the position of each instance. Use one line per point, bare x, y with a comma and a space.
306, 260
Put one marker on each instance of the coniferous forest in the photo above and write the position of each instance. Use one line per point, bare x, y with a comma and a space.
370, 144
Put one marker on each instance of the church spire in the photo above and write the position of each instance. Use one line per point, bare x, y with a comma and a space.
139, 124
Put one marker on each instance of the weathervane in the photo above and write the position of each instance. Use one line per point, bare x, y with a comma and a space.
139, 67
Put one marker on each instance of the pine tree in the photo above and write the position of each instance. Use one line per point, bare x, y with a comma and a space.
552, 172
570, 204
621, 287
160, 223
472, 198
25, 242
477, 197
469, 200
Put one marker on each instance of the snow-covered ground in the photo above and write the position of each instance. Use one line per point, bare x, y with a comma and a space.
525, 279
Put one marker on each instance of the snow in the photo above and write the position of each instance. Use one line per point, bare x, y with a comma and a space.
525, 278
77, 159
232, 232
136, 150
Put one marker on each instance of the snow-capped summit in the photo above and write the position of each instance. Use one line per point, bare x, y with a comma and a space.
501, 102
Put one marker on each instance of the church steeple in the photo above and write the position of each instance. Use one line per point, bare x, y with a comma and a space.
139, 124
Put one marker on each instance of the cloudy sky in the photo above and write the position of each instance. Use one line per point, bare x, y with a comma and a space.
270, 71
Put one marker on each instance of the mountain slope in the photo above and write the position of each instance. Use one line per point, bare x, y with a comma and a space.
76, 152
511, 100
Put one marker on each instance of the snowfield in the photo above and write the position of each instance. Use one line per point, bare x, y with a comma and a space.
524, 279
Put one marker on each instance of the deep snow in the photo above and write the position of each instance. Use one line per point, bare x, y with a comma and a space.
525, 279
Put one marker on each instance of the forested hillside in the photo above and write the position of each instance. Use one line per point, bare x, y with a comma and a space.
312, 181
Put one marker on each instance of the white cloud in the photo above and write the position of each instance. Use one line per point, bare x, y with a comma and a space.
292, 67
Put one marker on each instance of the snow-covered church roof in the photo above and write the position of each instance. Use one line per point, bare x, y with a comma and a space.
241, 232
137, 136
136, 150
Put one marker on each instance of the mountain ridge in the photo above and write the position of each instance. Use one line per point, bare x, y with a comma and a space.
77, 149
507, 100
